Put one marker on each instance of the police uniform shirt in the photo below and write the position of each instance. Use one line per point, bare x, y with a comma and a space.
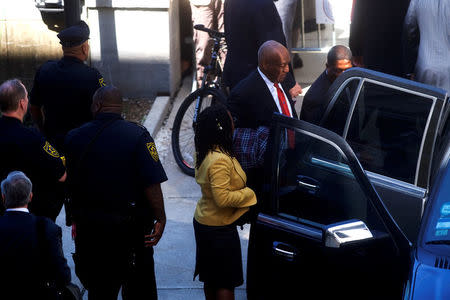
26, 150
64, 90
115, 171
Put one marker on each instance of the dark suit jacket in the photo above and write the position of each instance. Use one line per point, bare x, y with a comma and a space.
252, 104
315, 100
376, 34
22, 261
248, 24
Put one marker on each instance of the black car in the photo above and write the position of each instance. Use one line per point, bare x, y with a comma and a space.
342, 211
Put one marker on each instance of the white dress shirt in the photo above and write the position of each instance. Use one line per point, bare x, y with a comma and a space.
273, 91
22, 209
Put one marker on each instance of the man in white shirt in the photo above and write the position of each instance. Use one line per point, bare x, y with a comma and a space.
253, 101
31, 251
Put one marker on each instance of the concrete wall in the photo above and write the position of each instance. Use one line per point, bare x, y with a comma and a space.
25, 41
135, 44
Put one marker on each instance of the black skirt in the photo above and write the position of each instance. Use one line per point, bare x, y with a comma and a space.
219, 259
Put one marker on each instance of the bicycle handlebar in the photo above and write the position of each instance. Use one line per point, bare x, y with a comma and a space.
211, 32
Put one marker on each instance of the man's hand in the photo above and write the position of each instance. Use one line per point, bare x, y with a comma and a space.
155, 197
295, 90
153, 239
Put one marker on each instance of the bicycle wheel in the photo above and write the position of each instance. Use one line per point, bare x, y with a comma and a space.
183, 146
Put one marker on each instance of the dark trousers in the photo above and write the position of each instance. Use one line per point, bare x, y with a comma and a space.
137, 282
105, 261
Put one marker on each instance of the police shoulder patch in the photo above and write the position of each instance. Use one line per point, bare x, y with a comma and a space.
151, 147
50, 150
101, 82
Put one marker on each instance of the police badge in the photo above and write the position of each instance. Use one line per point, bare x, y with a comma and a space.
50, 150
153, 152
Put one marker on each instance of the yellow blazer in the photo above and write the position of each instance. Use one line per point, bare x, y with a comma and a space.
225, 197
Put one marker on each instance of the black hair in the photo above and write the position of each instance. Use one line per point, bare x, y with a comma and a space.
338, 52
213, 130
11, 91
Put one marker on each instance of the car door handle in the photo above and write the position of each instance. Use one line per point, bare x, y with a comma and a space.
284, 250
308, 183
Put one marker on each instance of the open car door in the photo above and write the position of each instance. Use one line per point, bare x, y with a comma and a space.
322, 230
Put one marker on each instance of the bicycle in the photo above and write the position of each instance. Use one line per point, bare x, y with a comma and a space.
210, 92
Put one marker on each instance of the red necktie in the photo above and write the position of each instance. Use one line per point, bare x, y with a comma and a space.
285, 111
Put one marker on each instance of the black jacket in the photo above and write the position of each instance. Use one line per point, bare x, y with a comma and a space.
315, 101
252, 104
27, 261
376, 34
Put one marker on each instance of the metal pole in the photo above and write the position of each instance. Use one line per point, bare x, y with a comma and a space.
334, 35
72, 12
303, 25
319, 36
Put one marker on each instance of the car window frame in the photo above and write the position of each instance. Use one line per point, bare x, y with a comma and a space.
438, 96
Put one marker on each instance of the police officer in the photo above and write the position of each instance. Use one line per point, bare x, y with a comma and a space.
62, 91
26, 150
114, 180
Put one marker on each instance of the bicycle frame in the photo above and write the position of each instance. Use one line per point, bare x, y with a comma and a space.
207, 70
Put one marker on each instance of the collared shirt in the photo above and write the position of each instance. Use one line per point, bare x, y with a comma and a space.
22, 209
249, 146
273, 91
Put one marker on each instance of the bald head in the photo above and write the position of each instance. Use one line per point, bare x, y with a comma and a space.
339, 59
80, 51
107, 99
338, 52
273, 60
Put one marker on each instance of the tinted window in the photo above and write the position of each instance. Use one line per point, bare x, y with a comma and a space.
386, 130
316, 185
335, 121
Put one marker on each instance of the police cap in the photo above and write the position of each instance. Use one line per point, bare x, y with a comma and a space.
74, 35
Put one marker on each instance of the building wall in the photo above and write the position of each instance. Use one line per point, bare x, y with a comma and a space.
25, 41
134, 43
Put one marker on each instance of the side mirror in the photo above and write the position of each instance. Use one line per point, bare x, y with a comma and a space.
351, 231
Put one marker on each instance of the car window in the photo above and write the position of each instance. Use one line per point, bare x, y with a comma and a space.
387, 128
340, 107
315, 184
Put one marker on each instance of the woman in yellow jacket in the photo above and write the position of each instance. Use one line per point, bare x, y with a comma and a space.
225, 199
